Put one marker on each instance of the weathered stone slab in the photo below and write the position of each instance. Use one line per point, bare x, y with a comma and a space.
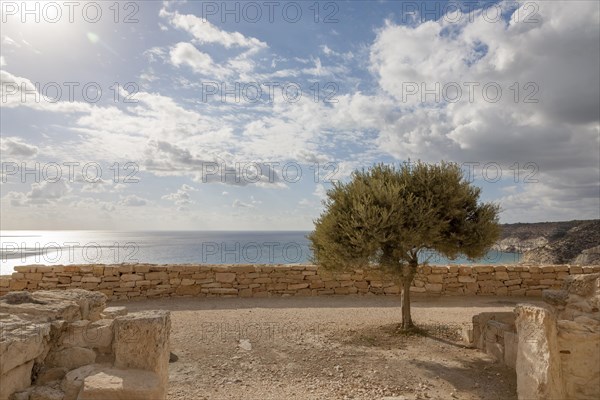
579, 349
40, 309
98, 334
73, 381
51, 374
16, 379
113, 312
142, 342
71, 358
538, 360
510, 349
21, 341
115, 384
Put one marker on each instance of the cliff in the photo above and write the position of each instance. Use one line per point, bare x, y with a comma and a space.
566, 242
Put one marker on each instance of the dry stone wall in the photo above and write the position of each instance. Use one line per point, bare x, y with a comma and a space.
140, 281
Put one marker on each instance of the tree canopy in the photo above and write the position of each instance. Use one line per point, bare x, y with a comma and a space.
388, 215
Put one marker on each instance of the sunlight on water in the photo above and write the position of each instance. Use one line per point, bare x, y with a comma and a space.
173, 247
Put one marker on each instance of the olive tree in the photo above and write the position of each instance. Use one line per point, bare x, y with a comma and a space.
389, 216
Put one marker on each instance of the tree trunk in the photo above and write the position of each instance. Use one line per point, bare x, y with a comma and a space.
408, 273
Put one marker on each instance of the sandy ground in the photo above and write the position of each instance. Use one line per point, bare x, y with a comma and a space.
328, 348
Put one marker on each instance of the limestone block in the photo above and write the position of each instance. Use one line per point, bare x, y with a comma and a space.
297, 286
141, 268
113, 312
433, 287
575, 270
33, 307
73, 381
579, 347
501, 275
480, 322
392, 289
92, 279
16, 379
582, 285
71, 358
131, 277
116, 384
188, 290
467, 335
142, 342
226, 277
538, 361
21, 341
90, 303
51, 374
224, 291
94, 335
510, 349
157, 276
496, 350
23, 394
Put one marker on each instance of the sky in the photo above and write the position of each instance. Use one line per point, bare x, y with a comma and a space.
204, 115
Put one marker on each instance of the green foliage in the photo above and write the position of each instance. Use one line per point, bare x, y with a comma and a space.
387, 215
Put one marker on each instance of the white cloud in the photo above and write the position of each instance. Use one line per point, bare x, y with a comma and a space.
305, 203
187, 54
2, 61
133, 200
237, 203
21, 92
42, 193
174, 136
14, 147
320, 191
205, 32
182, 197
544, 55
101, 186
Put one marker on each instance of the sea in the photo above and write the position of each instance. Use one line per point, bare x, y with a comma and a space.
175, 247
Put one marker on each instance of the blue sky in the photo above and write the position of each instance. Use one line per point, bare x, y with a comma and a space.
365, 82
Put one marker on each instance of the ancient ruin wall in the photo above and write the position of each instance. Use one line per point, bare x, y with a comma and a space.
554, 346
64, 344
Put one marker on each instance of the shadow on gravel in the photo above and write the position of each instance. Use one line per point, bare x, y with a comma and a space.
390, 336
484, 379
463, 368
341, 301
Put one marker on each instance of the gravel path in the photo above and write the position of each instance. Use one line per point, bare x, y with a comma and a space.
328, 348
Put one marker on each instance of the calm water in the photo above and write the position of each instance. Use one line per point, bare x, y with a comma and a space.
170, 247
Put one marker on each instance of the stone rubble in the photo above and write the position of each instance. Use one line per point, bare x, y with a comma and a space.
66, 345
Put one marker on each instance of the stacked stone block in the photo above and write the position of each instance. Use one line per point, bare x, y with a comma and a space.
141, 281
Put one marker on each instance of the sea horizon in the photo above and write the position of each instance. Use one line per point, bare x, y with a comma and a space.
68, 247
